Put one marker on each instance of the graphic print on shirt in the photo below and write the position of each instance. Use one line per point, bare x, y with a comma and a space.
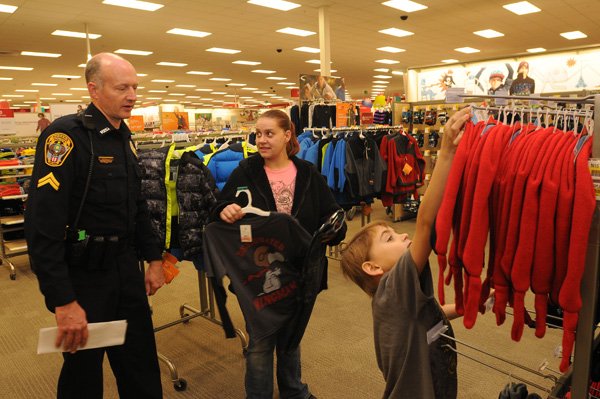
284, 195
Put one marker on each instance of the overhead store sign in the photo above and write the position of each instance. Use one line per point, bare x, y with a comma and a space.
316, 87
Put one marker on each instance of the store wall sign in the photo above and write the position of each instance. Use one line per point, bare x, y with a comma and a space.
317, 87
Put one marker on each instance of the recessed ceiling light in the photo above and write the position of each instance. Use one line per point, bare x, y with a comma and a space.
285, 83
389, 49
12, 79
221, 79
381, 82
177, 94
467, 50
260, 92
198, 73
202, 89
153, 98
138, 5
331, 70
296, 32
263, 71
521, 8
229, 95
249, 88
142, 74
218, 92
382, 76
222, 50
170, 100
305, 49
449, 61
397, 73
79, 35
573, 35
236, 84
162, 80
381, 70
173, 64
47, 98
276, 78
242, 62
132, 52
536, 50
317, 62
79, 88
14, 68
13, 95
66, 76
276, 4
396, 32
183, 86
292, 87
157, 91
7, 9
62, 94
82, 65
36, 54
389, 62
379, 86
404, 5
489, 33
246, 98
188, 32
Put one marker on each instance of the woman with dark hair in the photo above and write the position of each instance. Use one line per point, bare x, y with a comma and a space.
281, 182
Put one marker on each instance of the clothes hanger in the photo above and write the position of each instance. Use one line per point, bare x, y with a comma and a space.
249, 208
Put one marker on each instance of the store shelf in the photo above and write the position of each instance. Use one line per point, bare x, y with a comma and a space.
9, 197
15, 167
11, 220
14, 176
14, 246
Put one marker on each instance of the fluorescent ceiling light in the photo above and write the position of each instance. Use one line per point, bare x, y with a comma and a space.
132, 52
138, 5
249, 88
449, 61
14, 68
381, 70
162, 80
198, 73
246, 97
153, 98
292, 87
242, 62
405, 5
331, 70
142, 74
47, 98
381, 82
192, 96
79, 35
7, 9
183, 86
222, 50
382, 76
177, 94
296, 32
489, 33
220, 79
62, 94
202, 89
79, 88
467, 50
82, 65
157, 91
276, 78
263, 71
29, 102
276, 4
170, 100
380, 86
73, 101
573, 35
236, 84
173, 64
12, 79
305, 49
285, 83
36, 54
260, 92
389, 49
396, 32
317, 62
13, 95
66, 76
521, 8
218, 92
389, 62
536, 50
229, 95
397, 73
188, 32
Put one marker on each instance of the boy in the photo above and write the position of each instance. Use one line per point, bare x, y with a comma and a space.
395, 272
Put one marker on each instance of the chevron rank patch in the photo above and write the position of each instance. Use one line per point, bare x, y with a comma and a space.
57, 149
133, 149
49, 179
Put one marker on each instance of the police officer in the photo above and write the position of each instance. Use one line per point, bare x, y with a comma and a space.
86, 226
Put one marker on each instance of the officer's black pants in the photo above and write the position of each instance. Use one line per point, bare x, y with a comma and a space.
114, 292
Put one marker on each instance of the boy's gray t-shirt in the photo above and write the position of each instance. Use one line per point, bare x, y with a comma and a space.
404, 310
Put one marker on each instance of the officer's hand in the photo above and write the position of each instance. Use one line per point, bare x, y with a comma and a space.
231, 213
155, 278
72, 327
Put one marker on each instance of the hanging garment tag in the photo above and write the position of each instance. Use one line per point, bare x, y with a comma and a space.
245, 233
489, 304
595, 171
434, 333
407, 169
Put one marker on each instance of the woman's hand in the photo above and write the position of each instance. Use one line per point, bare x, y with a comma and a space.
231, 213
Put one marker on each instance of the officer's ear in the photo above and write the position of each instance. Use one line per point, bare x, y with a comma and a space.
93, 89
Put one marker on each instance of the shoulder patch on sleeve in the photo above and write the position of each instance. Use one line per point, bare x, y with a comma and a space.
49, 179
57, 148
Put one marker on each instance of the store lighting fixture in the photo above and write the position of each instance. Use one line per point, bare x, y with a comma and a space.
292, 87
389, 49
72, 101
379, 86
185, 85
285, 83
260, 92
389, 62
221, 79
8, 9
162, 80
276, 78
522, 8
177, 94
396, 32
78, 35
62, 94
250, 88
280, 5
29, 102
36, 54
188, 32
15, 68
198, 73
66, 76
222, 50
26, 91
246, 98
400, 73
467, 50
138, 5
382, 76
81, 65
171, 100
142, 74
381, 82
331, 70
236, 84
202, 89
386, 70
536, 50
296, 32
47, 98
192, 96
242, 62
263, 71
153, 98
314, 61
12, 79
449, 61
173, 64
157, 91
404, 5
305, 49
489, 33
13, 95
218, 92
79, 88
230, 95
132, 52
573, 35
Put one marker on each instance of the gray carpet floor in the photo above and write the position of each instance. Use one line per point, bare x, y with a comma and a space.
337, 351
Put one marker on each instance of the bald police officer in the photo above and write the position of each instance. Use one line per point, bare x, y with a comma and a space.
86, 227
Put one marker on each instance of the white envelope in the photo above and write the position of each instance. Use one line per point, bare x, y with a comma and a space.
109, 333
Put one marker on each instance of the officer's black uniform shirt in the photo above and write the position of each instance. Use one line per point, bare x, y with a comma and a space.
113, 206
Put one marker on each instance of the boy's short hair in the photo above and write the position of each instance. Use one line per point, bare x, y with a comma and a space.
355, 253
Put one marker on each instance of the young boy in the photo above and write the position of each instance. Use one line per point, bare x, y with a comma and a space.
395, 272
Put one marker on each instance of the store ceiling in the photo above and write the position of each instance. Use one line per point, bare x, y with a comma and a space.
438, 30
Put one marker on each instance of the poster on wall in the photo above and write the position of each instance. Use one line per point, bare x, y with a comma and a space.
572, 71
175, 121
317, 87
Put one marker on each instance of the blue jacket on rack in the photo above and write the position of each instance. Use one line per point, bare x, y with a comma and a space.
336, 177
223, 162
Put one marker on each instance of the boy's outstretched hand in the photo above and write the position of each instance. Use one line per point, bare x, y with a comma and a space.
454, 129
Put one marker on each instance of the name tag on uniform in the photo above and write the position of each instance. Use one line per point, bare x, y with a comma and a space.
105, 159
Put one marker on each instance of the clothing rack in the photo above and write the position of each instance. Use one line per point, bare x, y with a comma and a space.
580, 369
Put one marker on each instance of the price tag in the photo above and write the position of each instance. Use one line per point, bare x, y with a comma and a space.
245, 233
407, 169
426, 130
594, 164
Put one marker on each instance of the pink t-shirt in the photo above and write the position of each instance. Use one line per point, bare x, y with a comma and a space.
283, 184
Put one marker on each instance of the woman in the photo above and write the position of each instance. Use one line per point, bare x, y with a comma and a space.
278, 181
